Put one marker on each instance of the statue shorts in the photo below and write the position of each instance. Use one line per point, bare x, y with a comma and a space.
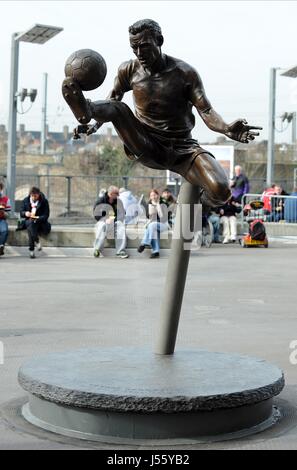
168, 153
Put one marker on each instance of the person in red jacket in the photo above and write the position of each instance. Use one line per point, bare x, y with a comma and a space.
266, 198
4, 209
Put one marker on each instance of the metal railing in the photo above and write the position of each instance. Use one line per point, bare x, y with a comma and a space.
257, 185
295, 177
75, 195
277, 208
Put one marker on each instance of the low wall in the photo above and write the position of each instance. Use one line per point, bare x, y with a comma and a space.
82, 236
281, 229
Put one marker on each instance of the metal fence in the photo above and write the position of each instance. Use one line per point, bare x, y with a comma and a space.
257, 185
71, 196
277, 208
75, 195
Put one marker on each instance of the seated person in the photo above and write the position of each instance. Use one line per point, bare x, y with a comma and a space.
169, 200
158, 222
228, 218
277, 205
35, 210
133, 209
110, 215
266, 198
214, 219
4, 209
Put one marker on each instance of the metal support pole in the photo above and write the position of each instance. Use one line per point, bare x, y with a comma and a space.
294, 128
295, 178
177, 268
43, 121
97, 186
271, 130
176, 187
48, 189
68, 194
12, 134
125, 180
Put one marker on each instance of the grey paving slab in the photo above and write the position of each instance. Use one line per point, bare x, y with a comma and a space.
236, 300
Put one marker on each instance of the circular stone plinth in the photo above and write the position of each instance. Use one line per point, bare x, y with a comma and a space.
130, 393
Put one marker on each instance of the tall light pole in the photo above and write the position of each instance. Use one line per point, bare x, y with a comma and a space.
37, 34
271, 128
294, 122
43, 118
292, 73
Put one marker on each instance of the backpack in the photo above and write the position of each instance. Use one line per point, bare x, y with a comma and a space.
257, 230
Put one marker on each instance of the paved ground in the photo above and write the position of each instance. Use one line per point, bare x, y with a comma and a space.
237, 300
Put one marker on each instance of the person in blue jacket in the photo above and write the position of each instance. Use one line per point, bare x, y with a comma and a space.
291, 207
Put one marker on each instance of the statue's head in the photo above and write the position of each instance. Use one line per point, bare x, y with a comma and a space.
146, 40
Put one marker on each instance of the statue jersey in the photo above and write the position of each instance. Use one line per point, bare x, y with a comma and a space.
163, 101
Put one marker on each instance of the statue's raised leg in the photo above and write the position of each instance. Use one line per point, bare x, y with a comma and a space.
76, 101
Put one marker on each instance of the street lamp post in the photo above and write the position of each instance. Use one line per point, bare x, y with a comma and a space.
292, 73
11, 147
38, 34
270, 147
294, 121
43, 120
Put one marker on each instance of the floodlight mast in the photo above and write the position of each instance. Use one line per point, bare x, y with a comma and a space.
292, 73
11, 145
38, 34
271, 129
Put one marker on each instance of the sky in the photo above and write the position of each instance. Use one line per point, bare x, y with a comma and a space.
232, 44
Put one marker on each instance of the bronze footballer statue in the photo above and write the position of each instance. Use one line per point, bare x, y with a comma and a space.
165, 89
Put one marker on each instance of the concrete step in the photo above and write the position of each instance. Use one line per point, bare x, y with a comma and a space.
62, 252
82, 236
281, 229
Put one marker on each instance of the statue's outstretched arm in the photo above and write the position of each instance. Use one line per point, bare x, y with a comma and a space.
238, 130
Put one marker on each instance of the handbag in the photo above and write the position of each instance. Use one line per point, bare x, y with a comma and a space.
21, 225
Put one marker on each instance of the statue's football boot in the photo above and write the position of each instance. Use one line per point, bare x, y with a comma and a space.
76, 101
